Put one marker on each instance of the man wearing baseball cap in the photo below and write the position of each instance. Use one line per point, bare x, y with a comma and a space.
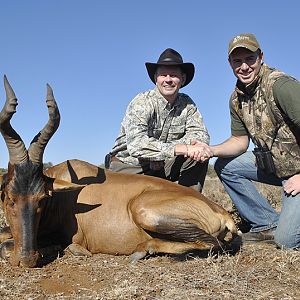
264, 107
161, 127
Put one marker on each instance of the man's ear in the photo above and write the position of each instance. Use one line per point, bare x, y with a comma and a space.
261, 56
183, 79
155, 77
229, 61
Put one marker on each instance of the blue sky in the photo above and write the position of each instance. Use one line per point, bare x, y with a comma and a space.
93, 52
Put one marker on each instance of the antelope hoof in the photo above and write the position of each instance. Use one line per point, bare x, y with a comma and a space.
134, 257
78, 250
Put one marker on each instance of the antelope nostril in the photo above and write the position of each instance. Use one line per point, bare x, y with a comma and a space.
29, 260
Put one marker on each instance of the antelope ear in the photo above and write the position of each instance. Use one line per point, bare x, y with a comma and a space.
58, 185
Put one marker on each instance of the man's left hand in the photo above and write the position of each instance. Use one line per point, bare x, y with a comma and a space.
292, 185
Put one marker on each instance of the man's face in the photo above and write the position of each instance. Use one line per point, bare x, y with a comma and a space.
245, 64
169, 80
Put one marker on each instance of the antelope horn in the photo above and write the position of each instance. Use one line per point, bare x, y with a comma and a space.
38, 144
16, 148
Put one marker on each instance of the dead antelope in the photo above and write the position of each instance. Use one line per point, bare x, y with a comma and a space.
89, 210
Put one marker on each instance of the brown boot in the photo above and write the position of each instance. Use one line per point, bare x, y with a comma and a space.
261, 236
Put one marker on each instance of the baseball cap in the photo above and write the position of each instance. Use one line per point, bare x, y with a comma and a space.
244, 40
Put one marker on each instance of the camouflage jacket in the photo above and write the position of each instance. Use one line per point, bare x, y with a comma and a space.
152, 127
266, 123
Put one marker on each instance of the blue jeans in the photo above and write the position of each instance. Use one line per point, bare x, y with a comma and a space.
237, 175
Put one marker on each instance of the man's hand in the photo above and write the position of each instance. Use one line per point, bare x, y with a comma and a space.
292, 185
199, 151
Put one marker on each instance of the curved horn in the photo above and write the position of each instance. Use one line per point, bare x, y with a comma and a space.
16, 148
38, 144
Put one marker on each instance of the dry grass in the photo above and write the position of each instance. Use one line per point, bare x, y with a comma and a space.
258, 271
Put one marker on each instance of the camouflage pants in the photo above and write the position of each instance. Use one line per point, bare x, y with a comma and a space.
182, 170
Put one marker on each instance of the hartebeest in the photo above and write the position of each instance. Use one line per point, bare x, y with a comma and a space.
92, 210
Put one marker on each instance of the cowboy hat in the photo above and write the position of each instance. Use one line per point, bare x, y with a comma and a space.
171, 57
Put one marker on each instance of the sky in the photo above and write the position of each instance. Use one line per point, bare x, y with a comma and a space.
93, 54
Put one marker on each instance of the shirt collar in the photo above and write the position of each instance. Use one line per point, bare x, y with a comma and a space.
165, 103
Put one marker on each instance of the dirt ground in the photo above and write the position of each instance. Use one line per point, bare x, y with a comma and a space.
258, 271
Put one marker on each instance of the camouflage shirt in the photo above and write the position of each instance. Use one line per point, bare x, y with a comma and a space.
152, 127
269, 124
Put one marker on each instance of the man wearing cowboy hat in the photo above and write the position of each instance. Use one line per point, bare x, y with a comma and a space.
161, 126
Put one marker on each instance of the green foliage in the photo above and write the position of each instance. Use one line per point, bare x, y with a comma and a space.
2, 171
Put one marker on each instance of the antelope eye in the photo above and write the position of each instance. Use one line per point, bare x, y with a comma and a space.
11, 203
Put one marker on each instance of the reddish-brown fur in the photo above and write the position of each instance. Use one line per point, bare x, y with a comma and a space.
92, 210
121, 214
